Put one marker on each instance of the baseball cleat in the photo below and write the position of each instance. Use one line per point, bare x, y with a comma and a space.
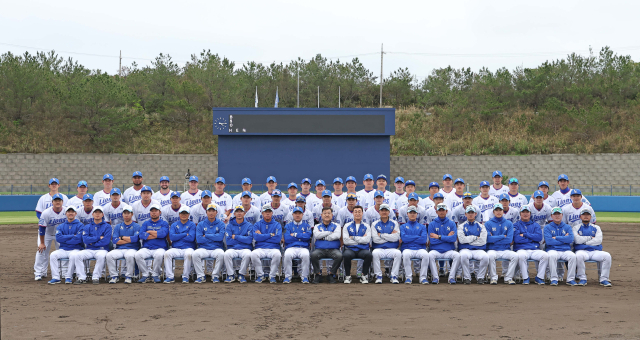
169, 280
215, 279
452, 281
480, 281
96, 281
305, 280
510, 282
127, 280
605, 283
379, 279
143, 279
407, 281
493, 282
347, 279
38, 278
229, 279
156, 279
539, 281
79, 282
272, 280
185, 280
582, 283
424, 281
259, 279
200, 280
364, 280
554, 282
242, 279
435, 281
571, 283
113, 280
54, 281
466, 281
68, 281
525, 281
332, 279
394, 280
286, 280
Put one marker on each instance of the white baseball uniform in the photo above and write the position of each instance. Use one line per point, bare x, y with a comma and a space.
485, 203
447, 194
372, 216
74, 201
253, 215
169, 214
364, 197
403, 216
497, 192
113, 215
564, 199
279, 214
432, 214
549, 200
49, 219
339, 200
517, 201
458, 215
131, 195
45, 202
571, 214
101, 198
317, 213
190, 199
512, 215
164, 199
255, 200
85, 216
141, 212
541, 216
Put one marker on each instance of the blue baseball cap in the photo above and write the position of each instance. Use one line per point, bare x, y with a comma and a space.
320, 182
292, 185
88, 197
543, 183
246, 180
352, 179
305, 180
438, 195
378, 193
221, 180
434, 184
272, 179
458, 180
164, 178
538, 193
81, 183
368, 176
137, 173
326, 193
115, 191
246, 193
300, 198
410, 182
381, 176
413, 196
298, 209
107, 176
575, 192
276, 192
484, 184
57, 196
513, 180
504, 197
174, 194
398, 179
563, 176
497, 173
467, 195
193, 178
205, 194
447, 176
338, 180
146, 188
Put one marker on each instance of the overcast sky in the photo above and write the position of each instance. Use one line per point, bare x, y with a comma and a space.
481, 33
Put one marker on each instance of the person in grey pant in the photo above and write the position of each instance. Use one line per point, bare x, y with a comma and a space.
326, 236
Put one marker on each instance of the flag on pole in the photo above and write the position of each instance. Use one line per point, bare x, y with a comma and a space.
256, 96
277, 99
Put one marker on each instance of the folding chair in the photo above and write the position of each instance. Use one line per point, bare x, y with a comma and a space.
324, 264
518, 276
87, 269
191, 275
415, 266
62, 275
236, 266
598, 267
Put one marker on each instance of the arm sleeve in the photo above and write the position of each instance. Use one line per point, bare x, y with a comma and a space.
219, 236
568, 238
579, 239
106, 233
482, 240
174, 235
407, 238
277, 235
116, 235
317, 234
86, 237
597, 240
136, 233
462, 238
345, 235
191, 233
259, 237
143, 232
451, 238
366, 238
335, 235
201, 237
548, 237
164, 230
287, 234
60, 237
392, 237
536, 235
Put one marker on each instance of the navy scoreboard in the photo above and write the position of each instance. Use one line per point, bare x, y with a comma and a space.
295, 143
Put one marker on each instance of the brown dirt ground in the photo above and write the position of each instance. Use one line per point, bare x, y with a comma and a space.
36, 310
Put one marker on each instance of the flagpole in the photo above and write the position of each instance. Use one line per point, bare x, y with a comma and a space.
256, 101
318, 96
298, 85
338, 96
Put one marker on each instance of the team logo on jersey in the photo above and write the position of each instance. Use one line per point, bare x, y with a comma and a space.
494, 229
205, 229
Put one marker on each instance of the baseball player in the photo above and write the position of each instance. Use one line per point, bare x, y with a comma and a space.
183, 241
272, 184
540, 209
142, 208
279, 210
356, 236
69, 238
192, 196
164, 194
385, 237
497, 188
315, 200
345, 214
389, 199
199, 211
499, 238
297, 235
442, 240
472, 242
455, 198
96, 237
290, 201
170, 213
447, 186
252, 213
485, 201
326, 203
132, 194
338, 196
414, 245
372, 215
326, 236
239, 239
399, 186
544, 188
126, 239
45, 201
510, 213
267, 234
588, 246
76, 200
50, 218
351, 184
527, 235
558, 237
223, 201
153, 233
403, 213
432, 213
246, 187
210, 239
305, 187
459, 214
364, 195
571, 213
103, 197
409, 187
563, 196
113, 210
85, 213
517, 199
428, 202
307, 214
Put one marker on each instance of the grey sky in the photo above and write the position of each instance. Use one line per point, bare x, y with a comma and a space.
284, 30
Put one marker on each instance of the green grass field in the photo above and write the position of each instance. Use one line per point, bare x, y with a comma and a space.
28, 217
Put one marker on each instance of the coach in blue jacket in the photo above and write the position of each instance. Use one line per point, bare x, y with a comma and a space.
96, 237
442, 240
239, 238
327, 243
499, 238
153, 233
69, 237
267, 233
297, 235
558, 237
127, 241
527, 235
210, 239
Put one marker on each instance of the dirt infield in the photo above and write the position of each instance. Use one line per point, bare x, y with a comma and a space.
232, 311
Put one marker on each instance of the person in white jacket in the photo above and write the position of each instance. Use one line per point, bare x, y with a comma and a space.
472, 242
326, 236
587, 240
385, 234
356, 236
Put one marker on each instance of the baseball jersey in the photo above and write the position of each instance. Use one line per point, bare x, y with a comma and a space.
85, 216
265, 198
288, 203
141, 213
484, 204
432, 214
101, 198
564, 199
74, 201
512, 215
255, 201
189, 199
224, 202
396, 196
51, 219
45, 202
317, 213
458, 215
364, 197
453, 201
313, 201
344, 216
307, 216
497, 192
542, 216
403, 216
339, 200
517, 201
571, 215
372, 216
388, 199
131, 195
113, 214
279, 214
549, 200
169, 214
427, 203
253, 215
447, 194
164, 199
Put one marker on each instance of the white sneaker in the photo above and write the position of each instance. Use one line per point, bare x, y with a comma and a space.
363, 279
394, 279
38, 278
347, 279
127, 280
378, 279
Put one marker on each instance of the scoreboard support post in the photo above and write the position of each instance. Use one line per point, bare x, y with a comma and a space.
292, 144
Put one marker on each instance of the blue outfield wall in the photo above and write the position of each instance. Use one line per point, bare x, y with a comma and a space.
599, 203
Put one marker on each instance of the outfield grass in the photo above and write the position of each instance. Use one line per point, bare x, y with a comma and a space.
18, 217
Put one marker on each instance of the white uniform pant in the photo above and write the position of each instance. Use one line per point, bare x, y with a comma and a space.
450, 255
198, 262
532, 254
600, 256
42, 259
143, 267
99, 255
502, 254
129, 256
172, 253
568, 256
296, 253
273, 254
394, 254
477, 254
63, 254
421, 254
230, 254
